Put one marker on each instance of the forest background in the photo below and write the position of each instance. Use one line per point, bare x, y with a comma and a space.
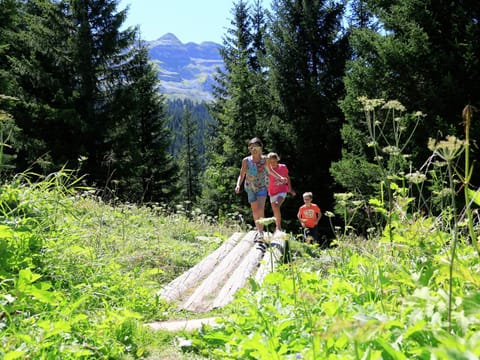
78, 92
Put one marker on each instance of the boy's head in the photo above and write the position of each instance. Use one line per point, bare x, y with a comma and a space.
307, 197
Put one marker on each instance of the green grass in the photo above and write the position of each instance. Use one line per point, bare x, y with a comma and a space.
78, 277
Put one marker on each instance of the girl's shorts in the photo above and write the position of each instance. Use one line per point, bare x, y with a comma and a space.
253, 196
275, 197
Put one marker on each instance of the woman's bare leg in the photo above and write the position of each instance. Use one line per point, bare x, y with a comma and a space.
258, 211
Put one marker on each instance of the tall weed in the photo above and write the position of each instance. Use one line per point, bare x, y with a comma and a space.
406, 291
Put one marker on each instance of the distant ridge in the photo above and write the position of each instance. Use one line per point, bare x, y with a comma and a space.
185, 70
166, 40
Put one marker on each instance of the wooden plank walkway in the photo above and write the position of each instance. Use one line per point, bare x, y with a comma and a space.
213, 282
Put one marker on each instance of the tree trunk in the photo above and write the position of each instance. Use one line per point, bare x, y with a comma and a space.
201, 299
178, 288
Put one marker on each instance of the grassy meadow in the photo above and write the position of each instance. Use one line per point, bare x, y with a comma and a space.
78, 277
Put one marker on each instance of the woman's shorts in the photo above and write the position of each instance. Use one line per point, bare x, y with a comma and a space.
275, 197
253, 196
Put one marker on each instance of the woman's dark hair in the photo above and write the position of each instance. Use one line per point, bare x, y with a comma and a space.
255, 140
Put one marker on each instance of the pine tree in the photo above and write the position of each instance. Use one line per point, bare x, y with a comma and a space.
138, 139
237, 109
40, 69
8, 26
307, 52
189, 161
101, 51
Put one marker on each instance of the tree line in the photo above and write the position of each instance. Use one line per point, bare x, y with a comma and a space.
77, 91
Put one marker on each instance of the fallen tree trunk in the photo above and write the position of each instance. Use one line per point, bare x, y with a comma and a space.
179, 287
239, 277
201, 299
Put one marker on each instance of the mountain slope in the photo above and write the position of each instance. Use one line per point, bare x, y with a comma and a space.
185, 70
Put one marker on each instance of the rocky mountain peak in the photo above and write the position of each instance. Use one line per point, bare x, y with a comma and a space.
168, 39
185, 70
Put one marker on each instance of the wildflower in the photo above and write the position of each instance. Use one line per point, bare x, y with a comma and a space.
357, 202
343, 196
394, 105
391, 150
445, 192
416, 177
370, 104
447, 149
266, 221
329, 214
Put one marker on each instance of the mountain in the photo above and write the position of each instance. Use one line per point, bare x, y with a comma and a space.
185, 70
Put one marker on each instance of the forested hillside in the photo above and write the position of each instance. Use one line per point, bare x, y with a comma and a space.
80, 93
109, 191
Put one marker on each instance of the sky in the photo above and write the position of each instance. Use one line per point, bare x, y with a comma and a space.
189, 20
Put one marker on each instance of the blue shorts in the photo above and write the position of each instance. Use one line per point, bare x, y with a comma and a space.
253, 196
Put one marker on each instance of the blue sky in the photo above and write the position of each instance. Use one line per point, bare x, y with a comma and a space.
190, 20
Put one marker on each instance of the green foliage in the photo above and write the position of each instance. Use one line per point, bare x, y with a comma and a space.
240, 105
190, 162
402, 51
306, 56
88, 97
8, 139
201, 117
364, 299
140, 164
79, 277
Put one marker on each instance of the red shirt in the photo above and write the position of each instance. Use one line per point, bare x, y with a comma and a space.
309, 214
277, 186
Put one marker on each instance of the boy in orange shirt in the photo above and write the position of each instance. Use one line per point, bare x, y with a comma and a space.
309, 215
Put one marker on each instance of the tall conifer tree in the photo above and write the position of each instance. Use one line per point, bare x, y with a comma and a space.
101, 49
137, 136
40, 65
237, 108
189, 161
307, 52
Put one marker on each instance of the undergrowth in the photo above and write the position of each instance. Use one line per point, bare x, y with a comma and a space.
79, 278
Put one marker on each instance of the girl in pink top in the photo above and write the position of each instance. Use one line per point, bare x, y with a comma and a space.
278, 187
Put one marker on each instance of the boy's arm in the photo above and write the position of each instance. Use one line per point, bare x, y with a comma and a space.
299, 216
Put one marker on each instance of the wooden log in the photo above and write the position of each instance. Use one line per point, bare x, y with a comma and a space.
180, 286
273, 255
239, 277
203, 295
